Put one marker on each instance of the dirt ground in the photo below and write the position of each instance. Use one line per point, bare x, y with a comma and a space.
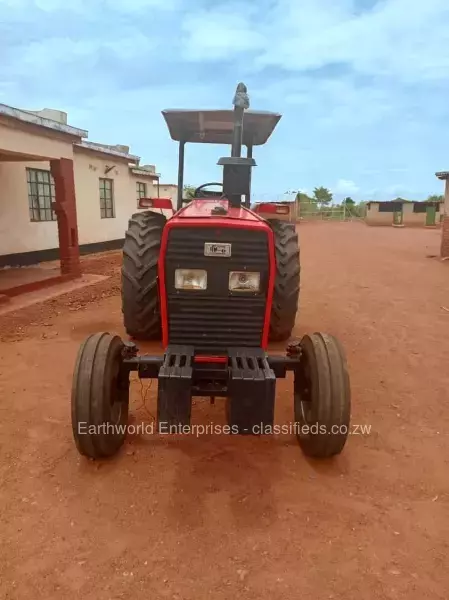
225, 517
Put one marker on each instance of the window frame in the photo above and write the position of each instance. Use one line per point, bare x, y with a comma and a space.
41, 195
141, 186
390, 207
419, 208
107, 204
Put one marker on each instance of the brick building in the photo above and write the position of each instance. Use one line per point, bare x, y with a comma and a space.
444, 176
404, 213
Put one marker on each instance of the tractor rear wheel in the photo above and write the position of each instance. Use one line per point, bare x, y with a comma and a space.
286, 286
140, 298
100, 396
322, 396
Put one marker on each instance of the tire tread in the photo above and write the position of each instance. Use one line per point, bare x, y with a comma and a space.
287, 283
140, 296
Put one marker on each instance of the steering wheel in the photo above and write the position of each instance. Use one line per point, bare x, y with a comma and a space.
199, 193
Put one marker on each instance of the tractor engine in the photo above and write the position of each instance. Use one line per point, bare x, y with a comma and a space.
217, 280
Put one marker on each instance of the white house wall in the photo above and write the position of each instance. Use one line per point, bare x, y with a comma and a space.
89, 167
17, 233
168, 191
33, 144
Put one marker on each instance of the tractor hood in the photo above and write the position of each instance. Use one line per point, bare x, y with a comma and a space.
216, 208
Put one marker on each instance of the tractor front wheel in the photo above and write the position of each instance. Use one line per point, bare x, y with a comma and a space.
286, 285
140, 297
322, 396
100, 396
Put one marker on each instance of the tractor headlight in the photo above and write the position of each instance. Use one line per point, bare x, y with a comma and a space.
190, 279
244, 281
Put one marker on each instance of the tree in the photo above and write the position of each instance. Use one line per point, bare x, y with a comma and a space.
435, 198
188, 192
306, 203
361, 209
356, 210
322, 196
304, 198
348, 202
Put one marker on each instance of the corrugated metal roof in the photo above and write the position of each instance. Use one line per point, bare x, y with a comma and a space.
34, 119
110, 150
421, 202
144, 172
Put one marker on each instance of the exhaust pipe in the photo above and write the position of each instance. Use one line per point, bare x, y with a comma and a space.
237, 169
241, 103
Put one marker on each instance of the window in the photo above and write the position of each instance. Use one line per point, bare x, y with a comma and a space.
107, 198
390, 207
141, 189
420, 207
41, 194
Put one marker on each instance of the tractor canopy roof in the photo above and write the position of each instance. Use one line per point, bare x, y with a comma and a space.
217, 126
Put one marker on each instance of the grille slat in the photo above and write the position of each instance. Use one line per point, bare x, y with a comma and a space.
223, 318
216, 319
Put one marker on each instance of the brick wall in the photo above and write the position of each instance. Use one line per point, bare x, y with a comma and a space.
445, 237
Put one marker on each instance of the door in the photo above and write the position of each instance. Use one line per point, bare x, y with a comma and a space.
430, 215
397, 217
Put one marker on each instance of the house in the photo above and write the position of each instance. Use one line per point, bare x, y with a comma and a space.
404, 213
61, 194
444, 249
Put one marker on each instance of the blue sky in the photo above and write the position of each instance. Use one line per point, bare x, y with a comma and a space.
363, 85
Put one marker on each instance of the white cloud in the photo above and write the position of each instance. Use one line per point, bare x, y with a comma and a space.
346, 187
220, 33
363, 94
86, 6
399, 38
130, 6
58, 53
405, 39
397, 189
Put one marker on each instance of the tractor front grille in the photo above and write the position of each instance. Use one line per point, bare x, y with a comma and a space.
216, 319
216, 322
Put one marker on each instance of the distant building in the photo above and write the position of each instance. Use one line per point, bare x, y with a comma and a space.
168, 190
444, 249
404, 213
108, 182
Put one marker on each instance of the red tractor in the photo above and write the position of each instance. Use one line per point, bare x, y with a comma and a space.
216, 282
